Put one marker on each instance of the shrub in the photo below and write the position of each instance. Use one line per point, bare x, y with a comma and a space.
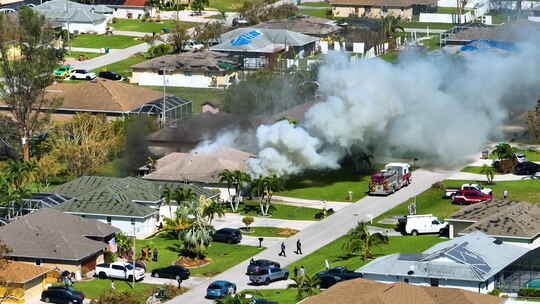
114, 20
495, 292
438, 185
248, 220
529, 292
158, 50
109, 257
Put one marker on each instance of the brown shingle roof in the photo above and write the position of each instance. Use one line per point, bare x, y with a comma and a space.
383, 3
102, 95
360, 291
207, 61
19, 272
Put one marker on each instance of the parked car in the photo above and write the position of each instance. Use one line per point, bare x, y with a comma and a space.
220, 289
450, 192
110, 75
61, 295
526, 168
83, 74
171, 272
421, 223
62, 72
467, 197
342, 272
7, 10
119, 270
192, 45
265, 275
227, 235
254, 266
327, 281
520, 157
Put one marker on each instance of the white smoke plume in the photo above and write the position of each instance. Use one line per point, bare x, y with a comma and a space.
440, 108
226, 139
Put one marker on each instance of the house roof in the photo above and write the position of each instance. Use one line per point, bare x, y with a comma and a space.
509, 32
118, 196
102, 95
383, 3
473, 257
135, 2
360, 291
51, 234
19, 272
302, 24
68, 11
199, 167
204, 61
260, 40
501, 218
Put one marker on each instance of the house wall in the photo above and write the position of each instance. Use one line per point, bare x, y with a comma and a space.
132, 12
181, 79
458, 226
466, 285
98, 28
143, 227
372, 12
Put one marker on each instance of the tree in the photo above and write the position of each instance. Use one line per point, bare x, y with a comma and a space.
238, 298
504, 151
178, 36
208, 32
391, 26
226, 177
213, 209
197, 235
158, 50
270, 184
84, 143
27, 76
198, 5
359, 239
489, 171
248, 220
306, 286
123, 243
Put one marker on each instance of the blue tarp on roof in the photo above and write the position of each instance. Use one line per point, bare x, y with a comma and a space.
477, 45
245, 38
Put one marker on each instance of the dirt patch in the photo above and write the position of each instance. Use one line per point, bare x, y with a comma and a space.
287, 232
192, 263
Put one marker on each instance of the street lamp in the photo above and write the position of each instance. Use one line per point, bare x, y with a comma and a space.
134, 253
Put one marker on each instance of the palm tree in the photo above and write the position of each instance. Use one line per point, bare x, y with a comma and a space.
168, 197
504, 151
226, 177
197, 234
270, 184
489, 171
239, 178
123, 243
359, 239
213, 209
391, 26
306, 286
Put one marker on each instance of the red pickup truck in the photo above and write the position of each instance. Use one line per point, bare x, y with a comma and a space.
467, 197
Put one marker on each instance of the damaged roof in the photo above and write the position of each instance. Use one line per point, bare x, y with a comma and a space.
196, 61
302, 24
19, 272
511, 32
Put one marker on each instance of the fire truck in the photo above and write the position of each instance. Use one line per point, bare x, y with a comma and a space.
394, 177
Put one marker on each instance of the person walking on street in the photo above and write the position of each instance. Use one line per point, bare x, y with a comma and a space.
155, 254
282, 253
295, 271
298, 247
505, 194
302, 271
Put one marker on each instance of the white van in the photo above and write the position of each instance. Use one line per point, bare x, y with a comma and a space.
423, 223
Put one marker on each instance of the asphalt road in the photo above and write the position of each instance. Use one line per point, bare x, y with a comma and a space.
320, 233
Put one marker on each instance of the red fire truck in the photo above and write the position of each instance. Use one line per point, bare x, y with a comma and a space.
394, 177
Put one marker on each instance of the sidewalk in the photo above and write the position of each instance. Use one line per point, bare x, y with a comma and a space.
234, 220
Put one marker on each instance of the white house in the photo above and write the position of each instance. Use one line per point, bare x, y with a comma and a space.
472, 262
76, 17
130, 9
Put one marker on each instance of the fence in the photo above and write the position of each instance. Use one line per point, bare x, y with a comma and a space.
511, 281
446, 18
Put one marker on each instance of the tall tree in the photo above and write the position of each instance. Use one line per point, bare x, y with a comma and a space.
28, 73
360, 240
213, 209
226, 177
208, 32
269, 184
179, 35
197, 234
198, 5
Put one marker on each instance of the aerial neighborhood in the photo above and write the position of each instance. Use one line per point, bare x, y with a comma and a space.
270, 151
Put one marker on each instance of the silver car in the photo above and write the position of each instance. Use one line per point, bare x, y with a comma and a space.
520, 157
265, 275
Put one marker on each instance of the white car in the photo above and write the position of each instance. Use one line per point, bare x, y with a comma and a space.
119, 270
520, 157
7, 10
82, 74
192, 45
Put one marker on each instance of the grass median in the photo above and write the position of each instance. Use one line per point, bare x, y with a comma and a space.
279, 211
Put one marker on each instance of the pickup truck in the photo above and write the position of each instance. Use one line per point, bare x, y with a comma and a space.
119, 270
450, 192
467, 197
265, 275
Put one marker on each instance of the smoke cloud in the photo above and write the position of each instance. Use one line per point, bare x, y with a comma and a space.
441, 109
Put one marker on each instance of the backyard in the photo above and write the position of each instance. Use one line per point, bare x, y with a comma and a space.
196, 95
135, 25
122, 67
331, 185
279, 211
103, 41
431, 201
223, 256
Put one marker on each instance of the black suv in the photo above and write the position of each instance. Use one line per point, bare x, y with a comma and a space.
254, 266
61, 295
526, 168
171, 272
110, 75
227, 235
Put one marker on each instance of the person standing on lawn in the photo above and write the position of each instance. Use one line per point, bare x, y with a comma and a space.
155, 254
282, 252
505, 194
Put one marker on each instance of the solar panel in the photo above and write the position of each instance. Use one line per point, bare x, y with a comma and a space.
463, 255
245, 38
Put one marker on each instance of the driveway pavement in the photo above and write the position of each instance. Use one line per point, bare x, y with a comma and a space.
267, 242
321, 233
114, 56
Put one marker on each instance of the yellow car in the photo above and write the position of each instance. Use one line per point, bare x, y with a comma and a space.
62, 72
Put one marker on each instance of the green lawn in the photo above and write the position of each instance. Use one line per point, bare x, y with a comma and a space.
431, 201
135, 25
431, 25
314, 12
97, 287
122, 67
315, 4
226, 5
449, 10
197, 95
76, 55
281, 296
331, 185
475, 169
102, 41
280, 211
532, 155
270, 232
338, 256
224, 256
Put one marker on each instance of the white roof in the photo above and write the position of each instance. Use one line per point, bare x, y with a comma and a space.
397, 165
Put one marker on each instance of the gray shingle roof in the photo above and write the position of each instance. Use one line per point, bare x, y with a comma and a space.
473, 257
67, 11
48, 233
307, 25
261, 40
117, 196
